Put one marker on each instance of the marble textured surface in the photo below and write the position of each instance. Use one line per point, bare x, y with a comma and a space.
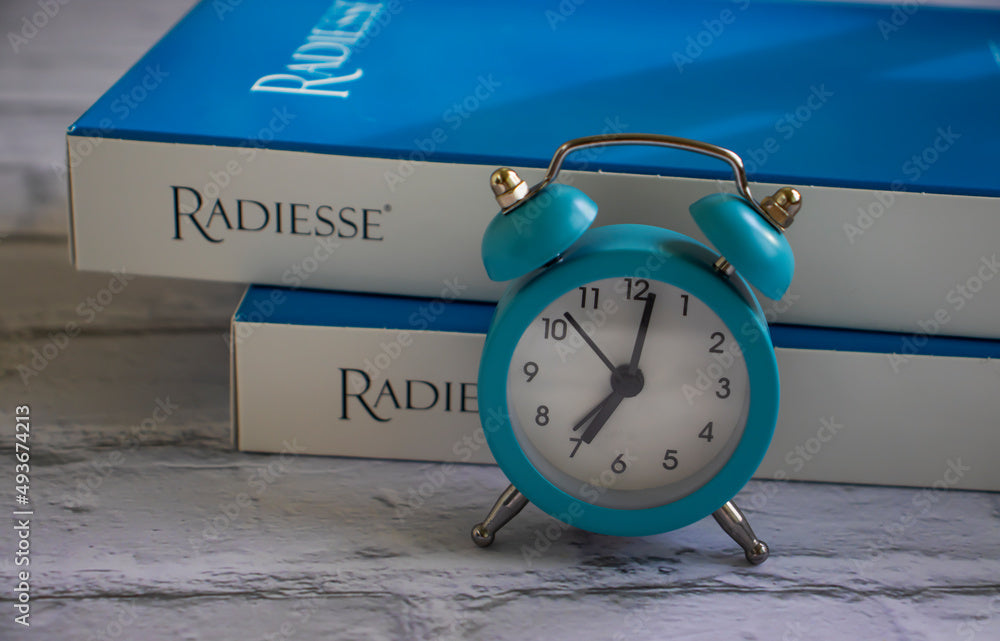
148, 526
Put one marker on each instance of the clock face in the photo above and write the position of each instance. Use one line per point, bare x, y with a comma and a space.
628, 393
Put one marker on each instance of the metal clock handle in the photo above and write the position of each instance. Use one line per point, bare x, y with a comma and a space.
779, 209
653, 140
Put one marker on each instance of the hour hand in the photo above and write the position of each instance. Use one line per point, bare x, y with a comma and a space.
598, 416
607, 409
595, 410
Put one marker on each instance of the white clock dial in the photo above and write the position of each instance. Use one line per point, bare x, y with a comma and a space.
628, 393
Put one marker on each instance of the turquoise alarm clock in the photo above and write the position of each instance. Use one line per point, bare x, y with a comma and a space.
628, 383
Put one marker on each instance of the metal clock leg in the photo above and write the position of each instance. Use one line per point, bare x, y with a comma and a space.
736, 525
511, 502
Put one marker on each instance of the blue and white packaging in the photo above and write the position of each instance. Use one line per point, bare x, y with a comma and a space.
347, 145
391, 377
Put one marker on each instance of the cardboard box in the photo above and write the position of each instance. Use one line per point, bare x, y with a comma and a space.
391, 377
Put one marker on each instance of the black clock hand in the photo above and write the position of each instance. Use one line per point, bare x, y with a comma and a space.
590, 341
607, 407
602, 417
640, 337
593, 411
587, 436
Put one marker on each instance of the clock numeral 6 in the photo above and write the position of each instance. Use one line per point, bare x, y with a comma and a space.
724, 392
531, 370
618, 465
542, 416
669, 460
555, 328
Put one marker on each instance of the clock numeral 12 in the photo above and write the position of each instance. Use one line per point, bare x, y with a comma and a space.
641, 287
583, 296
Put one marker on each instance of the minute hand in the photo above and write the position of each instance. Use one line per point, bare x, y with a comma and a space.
640, 337
609, 407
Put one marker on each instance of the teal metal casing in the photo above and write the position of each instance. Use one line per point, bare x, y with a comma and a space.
630, 251
759, 252
538, 231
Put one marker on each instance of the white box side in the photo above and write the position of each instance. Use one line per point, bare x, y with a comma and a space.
289, 387
852, 417
845, 417
908, 265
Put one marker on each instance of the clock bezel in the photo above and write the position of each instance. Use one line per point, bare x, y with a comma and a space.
631, 251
